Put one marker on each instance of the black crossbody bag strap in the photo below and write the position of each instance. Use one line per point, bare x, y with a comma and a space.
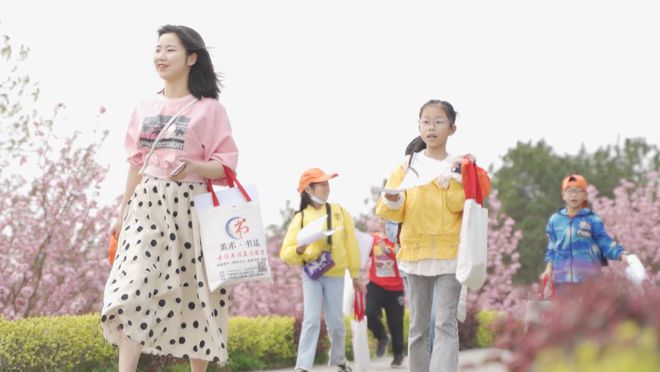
329, 222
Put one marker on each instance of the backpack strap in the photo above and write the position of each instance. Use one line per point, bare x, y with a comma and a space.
329, 222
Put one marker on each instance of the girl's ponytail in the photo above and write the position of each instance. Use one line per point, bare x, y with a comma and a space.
416, 145
305, 200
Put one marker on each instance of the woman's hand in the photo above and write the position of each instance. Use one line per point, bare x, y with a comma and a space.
459, 160
547, 273
190, 168
624, 257
116, 228
392, 197
301, 248
357, 285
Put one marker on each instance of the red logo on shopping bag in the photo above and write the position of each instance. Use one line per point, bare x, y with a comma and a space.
236, 227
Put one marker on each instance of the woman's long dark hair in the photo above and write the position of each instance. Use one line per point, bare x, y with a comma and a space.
305, 200
417, 144
203, 80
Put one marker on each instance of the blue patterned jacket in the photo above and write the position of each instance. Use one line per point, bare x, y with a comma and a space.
575, 245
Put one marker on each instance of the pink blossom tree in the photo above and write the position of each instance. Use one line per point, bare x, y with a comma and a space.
632, 217
498, 292
284, 295
52, 229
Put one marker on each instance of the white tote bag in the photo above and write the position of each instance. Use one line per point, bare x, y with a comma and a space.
232, 236
359, 335
473, 243
365, 241
536, 307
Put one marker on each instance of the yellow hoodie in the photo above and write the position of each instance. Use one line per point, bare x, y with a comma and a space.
345, 250
431, 217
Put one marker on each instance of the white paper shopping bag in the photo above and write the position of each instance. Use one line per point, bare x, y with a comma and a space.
537, 306
473, 243
233, 238
473, 246
359, 335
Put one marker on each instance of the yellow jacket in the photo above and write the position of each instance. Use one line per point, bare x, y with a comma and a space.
345, 250
431, 217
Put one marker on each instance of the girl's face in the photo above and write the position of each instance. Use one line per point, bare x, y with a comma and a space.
434, 126
574, 197
170, 58
320, 190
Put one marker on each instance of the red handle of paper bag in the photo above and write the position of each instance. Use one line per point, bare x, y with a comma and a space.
358, 305
545, 282
232, 181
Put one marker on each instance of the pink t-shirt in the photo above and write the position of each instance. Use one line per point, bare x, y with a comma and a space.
201, 133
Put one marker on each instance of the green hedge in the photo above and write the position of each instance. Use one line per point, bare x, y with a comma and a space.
76, 343
257, 343
485, 331
63, 343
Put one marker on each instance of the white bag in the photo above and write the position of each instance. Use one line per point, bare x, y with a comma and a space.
365, 241
473, 245
232, 236
359, 335
461, 311
349, 295
534, 308
635, 271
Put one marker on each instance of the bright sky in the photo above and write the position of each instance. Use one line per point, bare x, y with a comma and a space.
338, 84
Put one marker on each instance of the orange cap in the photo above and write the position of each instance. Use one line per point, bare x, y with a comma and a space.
313, 175
574, 180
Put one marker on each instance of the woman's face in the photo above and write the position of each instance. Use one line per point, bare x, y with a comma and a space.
170, 58
434, 126
320, 190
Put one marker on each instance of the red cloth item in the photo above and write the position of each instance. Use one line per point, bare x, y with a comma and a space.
112, 249
469, 172
383, 271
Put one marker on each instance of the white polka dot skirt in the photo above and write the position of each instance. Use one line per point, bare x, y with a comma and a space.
157, 293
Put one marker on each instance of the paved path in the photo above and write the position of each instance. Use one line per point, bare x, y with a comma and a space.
469, 360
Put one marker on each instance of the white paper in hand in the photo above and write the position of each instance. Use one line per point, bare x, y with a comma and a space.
314, 231
410, 180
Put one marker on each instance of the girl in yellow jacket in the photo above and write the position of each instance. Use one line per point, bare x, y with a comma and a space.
326, 292
431, 214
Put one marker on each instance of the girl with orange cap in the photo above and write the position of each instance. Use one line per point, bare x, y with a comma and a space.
325, 292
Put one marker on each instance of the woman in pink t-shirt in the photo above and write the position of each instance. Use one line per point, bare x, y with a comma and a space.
156, 298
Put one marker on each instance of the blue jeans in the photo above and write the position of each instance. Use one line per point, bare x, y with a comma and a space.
325, 293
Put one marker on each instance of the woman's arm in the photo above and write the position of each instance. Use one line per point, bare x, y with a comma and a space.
132, 180
212, 170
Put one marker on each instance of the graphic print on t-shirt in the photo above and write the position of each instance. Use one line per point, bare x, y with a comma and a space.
383, 261
173, 139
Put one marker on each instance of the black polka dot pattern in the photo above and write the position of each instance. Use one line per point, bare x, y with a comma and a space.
156, 293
